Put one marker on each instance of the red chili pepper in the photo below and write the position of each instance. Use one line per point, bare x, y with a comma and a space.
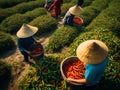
36, 51
74, 70
77, 21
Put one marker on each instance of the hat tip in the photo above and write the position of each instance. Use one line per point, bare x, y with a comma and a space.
94, 45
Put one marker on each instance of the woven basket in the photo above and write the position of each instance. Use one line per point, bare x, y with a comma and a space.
63, 63
78, 21
53, 13
37, 45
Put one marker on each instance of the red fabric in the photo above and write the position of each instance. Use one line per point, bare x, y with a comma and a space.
57, 6
53, 12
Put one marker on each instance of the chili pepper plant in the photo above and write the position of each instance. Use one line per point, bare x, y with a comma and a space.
44, 75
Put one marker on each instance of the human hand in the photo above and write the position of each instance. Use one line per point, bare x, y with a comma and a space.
48, 10
68, 79
28, 52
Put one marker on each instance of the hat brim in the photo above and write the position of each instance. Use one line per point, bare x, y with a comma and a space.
26, 31
75, 10
92, 56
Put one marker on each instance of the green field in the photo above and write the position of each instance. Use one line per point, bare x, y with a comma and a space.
101, 21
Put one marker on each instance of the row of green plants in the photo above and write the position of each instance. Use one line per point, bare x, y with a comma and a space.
40, 76
5, 74
20, 8
85, 2
109, 18
65, 7
12, 23
66, 1
6, 42
10, 3
107, 21
44, 75
104, 33
45, 24
93, 10
65, 38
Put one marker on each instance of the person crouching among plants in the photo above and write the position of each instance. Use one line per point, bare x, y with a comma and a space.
94, 54
47, 4
57, 7
25, 39
71, 13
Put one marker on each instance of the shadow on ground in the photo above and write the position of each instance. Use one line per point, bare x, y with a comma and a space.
9, 53
4, 83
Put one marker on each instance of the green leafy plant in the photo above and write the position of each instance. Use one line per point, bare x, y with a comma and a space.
6, 42
108, 18
91, 11
44, 75
35, 13
13, 23
20, 8
63, 36
45, 23
8, 3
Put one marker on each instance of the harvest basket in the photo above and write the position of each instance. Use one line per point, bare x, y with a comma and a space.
78, 21
63, 65
53, 13
36, 50
47, 5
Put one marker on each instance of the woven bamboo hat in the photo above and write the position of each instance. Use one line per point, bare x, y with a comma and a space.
75, 10
26, 31
92, 51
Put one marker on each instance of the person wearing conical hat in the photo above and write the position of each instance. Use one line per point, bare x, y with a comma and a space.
94, 54
72, 12
25, 39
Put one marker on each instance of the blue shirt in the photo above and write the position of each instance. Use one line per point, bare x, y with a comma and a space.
47, 0
68, 19
94, 72
25, 43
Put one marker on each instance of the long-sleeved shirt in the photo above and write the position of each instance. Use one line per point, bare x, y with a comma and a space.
25, 43
57, 6
68, 18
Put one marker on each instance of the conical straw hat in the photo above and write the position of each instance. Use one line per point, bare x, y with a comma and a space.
92, 51
75, 10
26, 31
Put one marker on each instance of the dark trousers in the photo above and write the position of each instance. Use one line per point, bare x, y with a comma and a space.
25, 56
